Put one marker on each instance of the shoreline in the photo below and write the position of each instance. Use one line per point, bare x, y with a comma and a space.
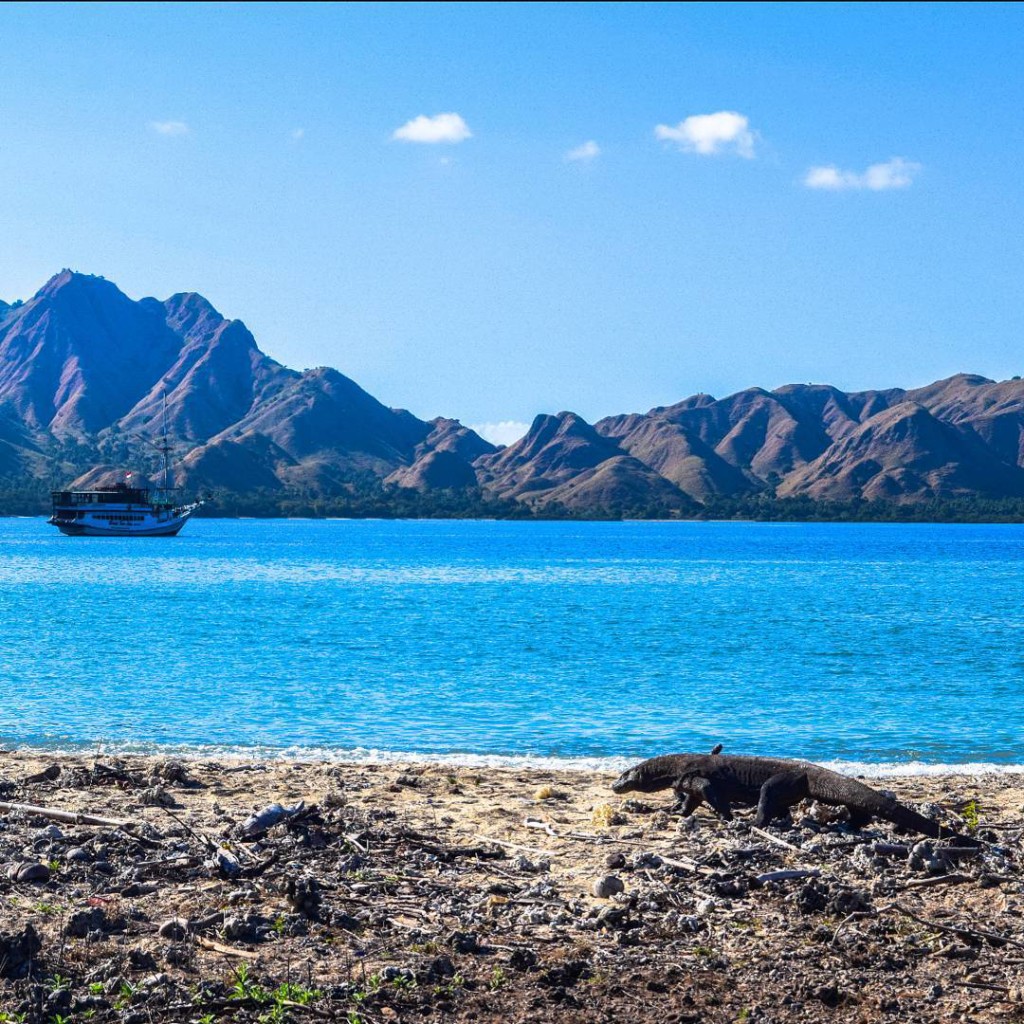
361, 757
406, 891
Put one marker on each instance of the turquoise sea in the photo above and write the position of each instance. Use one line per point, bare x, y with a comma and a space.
874, 644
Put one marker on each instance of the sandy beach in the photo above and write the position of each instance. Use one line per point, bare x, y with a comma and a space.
409, 892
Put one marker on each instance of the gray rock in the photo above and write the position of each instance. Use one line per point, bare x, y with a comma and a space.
84, 922
175, 929
609, 885
157, 796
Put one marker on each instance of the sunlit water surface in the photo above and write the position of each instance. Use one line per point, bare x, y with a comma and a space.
874, 644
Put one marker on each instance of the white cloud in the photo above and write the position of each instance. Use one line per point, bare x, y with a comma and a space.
504, 432
585, 153
709, 134
170, 127
439, 128
297, 134
894, 173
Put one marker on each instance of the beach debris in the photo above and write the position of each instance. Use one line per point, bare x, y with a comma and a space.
28, 871
48, 774
173, 772
224, 861
303, 895
271, 815
74, 817
393, 908
787, 875
605, 816
156, 796
544, 792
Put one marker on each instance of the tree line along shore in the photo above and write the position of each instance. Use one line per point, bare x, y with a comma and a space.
376, 501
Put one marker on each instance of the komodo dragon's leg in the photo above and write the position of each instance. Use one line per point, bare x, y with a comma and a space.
687, 803
700, 789
859, 819
778, 794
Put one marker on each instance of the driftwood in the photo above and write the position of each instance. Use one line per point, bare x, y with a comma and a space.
774, 839
219, 947
960, 931
514, 846
787, 874
73, 817
928, 883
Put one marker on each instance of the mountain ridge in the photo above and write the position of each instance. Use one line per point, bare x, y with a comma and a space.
85, 370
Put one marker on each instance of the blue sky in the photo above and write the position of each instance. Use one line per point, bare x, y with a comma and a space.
851, 214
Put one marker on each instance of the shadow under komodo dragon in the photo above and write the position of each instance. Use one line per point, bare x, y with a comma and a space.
773, 785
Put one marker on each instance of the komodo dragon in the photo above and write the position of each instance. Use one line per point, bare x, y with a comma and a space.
773, 784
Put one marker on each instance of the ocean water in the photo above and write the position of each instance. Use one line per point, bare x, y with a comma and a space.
577, 643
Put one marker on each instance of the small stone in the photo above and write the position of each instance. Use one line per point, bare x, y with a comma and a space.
393, 974
142, 960
175, 929
645, 859
614, 861
51, 834
18, 951
464, 942
442, 967
83, 922
244, 929
609, 885
30, 872
78, 855
157, 796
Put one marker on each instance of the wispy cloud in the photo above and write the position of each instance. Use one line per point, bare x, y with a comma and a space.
710, 134
170, 127
894, 173
503, 432
588, 151
297, 134
439, 128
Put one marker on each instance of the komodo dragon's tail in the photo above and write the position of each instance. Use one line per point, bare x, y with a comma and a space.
904, 817
836, 788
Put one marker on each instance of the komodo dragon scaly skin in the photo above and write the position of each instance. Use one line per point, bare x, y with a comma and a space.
773, 784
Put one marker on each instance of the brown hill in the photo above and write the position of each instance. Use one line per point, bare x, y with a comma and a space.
904, 454
563, 460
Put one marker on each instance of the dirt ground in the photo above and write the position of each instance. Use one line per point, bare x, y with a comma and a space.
413, 893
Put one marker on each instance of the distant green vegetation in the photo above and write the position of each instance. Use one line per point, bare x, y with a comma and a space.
368, 498
765, 508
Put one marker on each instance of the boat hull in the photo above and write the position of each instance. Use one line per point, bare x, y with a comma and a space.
118, 521
168, 529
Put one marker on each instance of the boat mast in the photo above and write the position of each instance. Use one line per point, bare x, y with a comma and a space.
164, 446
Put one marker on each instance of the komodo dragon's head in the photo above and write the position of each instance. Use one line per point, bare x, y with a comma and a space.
651, 775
